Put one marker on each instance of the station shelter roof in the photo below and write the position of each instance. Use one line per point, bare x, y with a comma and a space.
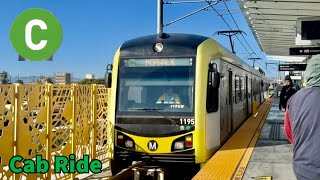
273, 24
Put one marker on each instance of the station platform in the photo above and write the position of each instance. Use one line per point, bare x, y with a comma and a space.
272, 155
258, 150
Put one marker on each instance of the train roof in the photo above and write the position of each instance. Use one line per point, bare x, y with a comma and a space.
179, 44
175, 43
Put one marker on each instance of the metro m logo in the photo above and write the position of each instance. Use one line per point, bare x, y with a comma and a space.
152, 145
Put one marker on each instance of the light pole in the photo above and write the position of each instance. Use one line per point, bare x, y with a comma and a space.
160, 17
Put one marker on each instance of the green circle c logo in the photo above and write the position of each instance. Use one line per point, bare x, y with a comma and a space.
36, 34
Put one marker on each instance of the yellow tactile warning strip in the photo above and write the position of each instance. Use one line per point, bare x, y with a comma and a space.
232, 158
246, 158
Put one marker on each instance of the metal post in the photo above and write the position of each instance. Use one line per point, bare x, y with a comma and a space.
231, 44
266, 66
279, 74
49, 134
94, 119
160, 17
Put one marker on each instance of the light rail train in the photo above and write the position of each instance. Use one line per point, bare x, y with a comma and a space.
176, 98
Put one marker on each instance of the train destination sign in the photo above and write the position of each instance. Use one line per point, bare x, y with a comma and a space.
292, 67
158, 62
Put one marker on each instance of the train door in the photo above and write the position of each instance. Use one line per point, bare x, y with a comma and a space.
247, 97
230, 104
224, 102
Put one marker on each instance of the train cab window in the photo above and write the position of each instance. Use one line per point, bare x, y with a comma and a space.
167, 88
237, 89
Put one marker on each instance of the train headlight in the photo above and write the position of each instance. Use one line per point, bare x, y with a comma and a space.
128, 144
158, 47
179, 145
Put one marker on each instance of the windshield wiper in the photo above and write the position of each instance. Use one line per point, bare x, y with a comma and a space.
156, 110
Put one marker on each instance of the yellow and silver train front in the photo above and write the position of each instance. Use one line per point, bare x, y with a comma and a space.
153, 96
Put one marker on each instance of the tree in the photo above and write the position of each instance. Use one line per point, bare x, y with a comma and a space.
49, 80
86, 81
4, 77
44, 80
92, 81
19, 81
99, 81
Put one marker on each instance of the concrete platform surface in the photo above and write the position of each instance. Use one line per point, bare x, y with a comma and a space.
272, 155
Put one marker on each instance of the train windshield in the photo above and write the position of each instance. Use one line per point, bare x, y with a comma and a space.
164, 85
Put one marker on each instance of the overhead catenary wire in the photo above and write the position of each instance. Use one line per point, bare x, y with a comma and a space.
239, 28
228, 26
245, 38
249, 54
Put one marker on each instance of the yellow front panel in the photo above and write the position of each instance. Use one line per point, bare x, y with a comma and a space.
164, 143
112, 105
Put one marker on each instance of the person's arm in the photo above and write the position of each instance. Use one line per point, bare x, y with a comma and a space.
287, 126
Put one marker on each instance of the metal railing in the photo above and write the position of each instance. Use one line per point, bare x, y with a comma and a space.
52, 120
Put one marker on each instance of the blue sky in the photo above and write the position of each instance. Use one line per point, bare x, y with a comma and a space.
93, 30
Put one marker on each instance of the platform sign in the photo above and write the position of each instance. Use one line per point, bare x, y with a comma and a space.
292, 67
295, 73
304, 50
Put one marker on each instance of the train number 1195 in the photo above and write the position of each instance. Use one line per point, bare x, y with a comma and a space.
186, 121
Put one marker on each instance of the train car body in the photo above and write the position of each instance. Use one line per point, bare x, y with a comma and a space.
213, 91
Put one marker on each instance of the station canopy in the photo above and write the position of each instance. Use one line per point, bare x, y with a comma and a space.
273, 24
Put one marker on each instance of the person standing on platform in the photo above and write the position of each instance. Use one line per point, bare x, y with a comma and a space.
286, 92
302, 124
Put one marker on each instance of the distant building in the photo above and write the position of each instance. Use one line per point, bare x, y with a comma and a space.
63, 78
90, 76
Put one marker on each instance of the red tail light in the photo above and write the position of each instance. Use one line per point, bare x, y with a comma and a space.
120, 140
188, 141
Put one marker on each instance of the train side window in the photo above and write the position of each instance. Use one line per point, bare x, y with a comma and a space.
237, 89
212, 93
255, 87
249, 88
242, 88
